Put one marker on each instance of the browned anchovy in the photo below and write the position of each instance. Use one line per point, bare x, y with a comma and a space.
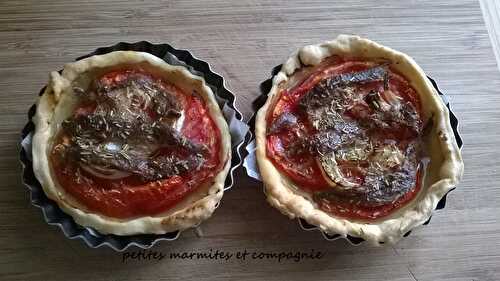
378, 189
378, 73
120, 136
327, 90
324, 107
325, 104
336, 91
384, 189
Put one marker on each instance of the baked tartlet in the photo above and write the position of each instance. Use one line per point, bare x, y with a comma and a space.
128, 144
354, 139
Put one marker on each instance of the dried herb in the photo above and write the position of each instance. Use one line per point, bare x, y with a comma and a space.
388, 172
132, 122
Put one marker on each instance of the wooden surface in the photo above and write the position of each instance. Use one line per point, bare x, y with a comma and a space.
243, 40
491, 13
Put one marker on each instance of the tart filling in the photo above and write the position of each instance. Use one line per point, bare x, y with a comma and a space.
135, 145
350, 135
129, 144
354, 139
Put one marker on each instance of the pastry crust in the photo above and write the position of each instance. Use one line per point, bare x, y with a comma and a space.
443, 172
56, 104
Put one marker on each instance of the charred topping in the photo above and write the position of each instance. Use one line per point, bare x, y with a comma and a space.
133, 130
348, 126
382, 185
378, 73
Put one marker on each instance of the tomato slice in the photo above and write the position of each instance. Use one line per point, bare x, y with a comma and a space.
302, 169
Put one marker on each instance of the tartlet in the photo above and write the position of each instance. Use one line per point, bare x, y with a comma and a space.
128, 144
354, 139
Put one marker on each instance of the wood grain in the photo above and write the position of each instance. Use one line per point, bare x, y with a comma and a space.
491, 13
243, 40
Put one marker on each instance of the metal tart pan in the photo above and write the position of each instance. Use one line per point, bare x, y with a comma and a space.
53, 215
252, 170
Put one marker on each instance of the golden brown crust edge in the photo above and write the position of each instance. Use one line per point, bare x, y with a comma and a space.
56, 103
445, 170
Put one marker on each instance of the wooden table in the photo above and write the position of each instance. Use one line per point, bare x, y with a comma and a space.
243, 40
